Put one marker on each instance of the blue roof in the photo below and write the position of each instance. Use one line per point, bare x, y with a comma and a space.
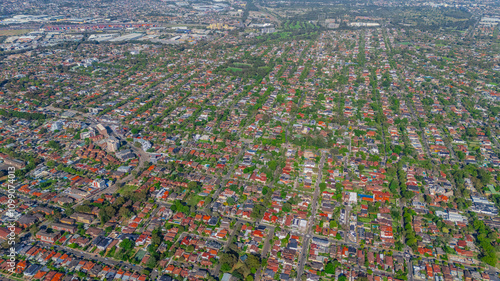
226, 277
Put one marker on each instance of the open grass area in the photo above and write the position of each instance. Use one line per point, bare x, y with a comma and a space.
14, 32
140, 254
237, 265
11, 277
195, 199
305, 189
235, 69
126, 189
364, 220
242, 64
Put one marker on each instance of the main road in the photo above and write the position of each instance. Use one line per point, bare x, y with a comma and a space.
143, 159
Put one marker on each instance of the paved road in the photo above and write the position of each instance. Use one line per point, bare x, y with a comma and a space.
496, 142
143, 156
293, 116
236, 227
424, 140
267, 244
407, 255
225, 244
177, 242
78, 114
95, 257
143, 160
226, 177
348, 155
357, 246
305, 245
265, 249
447, 143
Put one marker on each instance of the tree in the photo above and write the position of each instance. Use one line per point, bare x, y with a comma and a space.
225, 267
124, 212
83, 209
229, 258
237, 274
156, 237
333, 224
34, 229
126, 244
287, 207
491, 260
253, 262
264, 190
192, 184
55, 145
151, 261
106, 213
329, 268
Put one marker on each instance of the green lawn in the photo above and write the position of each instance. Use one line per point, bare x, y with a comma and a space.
242, 64
140, 255
285, 34
193, 200
364, 220
127, 188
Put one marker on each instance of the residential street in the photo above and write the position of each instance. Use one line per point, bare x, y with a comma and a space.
307, 235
